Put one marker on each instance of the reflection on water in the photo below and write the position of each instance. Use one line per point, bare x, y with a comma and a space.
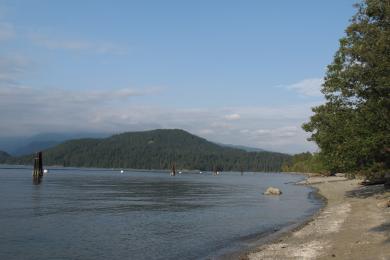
140, 215
37, 179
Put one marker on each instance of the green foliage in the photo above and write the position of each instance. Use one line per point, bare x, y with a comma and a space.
156, 149
304, 162
352, 128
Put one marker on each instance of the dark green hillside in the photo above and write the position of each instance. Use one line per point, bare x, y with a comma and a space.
4, 156
156, 149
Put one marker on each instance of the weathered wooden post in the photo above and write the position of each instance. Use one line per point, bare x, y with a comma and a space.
173, 171
38, 168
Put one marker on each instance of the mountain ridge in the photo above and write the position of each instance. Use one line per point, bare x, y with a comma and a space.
155, 149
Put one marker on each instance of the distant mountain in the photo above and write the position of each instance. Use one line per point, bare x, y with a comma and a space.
156, 149
8, 144
27, 145
34, 147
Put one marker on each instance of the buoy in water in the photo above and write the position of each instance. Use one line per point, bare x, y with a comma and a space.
45, 171
122, 171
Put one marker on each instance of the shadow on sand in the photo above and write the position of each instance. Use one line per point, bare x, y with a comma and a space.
383, 228
367, 191
373, 191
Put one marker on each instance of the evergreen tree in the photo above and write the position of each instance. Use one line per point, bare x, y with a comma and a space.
352, 128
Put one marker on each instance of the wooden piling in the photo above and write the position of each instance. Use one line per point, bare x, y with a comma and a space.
173, 171
38, 168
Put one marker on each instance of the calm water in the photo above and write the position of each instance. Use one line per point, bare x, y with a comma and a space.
95, 214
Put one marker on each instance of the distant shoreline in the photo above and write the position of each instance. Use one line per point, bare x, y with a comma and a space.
350, 226
195, 171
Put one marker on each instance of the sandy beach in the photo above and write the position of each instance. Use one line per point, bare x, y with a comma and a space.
354, 224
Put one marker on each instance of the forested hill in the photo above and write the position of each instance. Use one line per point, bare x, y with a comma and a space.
4, 156
156, 149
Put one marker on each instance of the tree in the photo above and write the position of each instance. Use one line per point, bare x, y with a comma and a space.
304, 162
352, 129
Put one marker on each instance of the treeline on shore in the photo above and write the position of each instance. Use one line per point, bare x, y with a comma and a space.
156, 149
306, 163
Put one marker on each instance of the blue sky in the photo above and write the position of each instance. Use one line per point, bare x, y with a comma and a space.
240, 72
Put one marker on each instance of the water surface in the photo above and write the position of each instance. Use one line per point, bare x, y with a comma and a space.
103, 214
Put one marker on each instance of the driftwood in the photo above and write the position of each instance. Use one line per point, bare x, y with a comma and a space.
385, 181
373, 182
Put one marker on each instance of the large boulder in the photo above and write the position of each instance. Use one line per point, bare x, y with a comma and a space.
272, 191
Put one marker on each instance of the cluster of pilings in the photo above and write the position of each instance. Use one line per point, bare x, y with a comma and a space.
38, 168
216, 170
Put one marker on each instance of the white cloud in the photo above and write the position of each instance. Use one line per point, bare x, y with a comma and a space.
11, 68
206, 131
97, 96
308, 87
61, 97
278, 132
52, 42
7, 31
262, 132
26, 110
221, 125
234, 116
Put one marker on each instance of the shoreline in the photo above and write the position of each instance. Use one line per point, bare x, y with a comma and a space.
351, 225
251, 243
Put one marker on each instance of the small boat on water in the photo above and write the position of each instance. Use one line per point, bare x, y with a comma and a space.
45, 171
122, 171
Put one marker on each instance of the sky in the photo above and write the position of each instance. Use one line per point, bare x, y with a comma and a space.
235, 72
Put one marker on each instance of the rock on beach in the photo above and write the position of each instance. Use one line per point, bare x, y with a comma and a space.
272, 191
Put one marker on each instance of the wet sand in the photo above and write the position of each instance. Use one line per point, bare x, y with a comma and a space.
353, 225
